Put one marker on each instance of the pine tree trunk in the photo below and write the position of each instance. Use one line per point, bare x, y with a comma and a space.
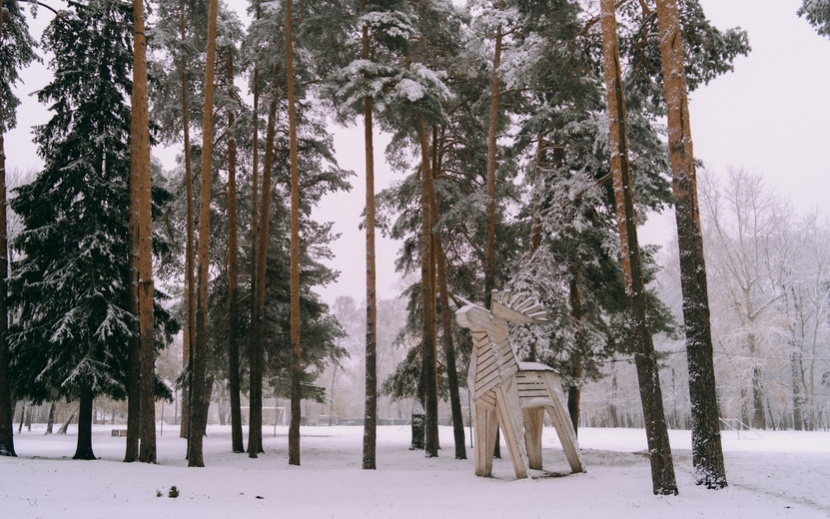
449, 352
370, 414
296, 351
429, 359
662, 466
6, 408
50, 423
83, 448
198, 408
578, 358
140, 160
258, 325
233, 285
492, 166
707, 453
189, 333
22, 416
447, 324
134, 354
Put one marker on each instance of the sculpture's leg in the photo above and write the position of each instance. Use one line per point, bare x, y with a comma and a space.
562, 423
534, 420
485, 426
510, 418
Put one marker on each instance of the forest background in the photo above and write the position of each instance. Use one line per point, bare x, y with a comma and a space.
772, 127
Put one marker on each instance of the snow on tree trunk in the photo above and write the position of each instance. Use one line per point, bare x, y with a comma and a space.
707, 454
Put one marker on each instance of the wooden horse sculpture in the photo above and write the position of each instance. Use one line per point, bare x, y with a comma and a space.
507, 392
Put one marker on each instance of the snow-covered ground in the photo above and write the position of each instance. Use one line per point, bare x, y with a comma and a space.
774, 474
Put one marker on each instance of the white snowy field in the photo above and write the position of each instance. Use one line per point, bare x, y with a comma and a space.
776, 474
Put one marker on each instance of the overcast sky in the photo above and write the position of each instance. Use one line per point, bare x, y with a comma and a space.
770, 116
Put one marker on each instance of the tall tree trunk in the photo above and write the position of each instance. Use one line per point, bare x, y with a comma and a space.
578, 359
6, 408
447, 324
492, 166
254, 351
134, 353
798, 392
189, 333
258, 325
50, 423
198, 408
370, 415
429, 359
707, 453
758, 408
296, 351
662, 466
233, 284
83, 448
140, 160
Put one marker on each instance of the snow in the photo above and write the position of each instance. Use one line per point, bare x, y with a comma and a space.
771, 474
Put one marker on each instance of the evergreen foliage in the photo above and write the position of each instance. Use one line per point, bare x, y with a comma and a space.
817, 13
70, 285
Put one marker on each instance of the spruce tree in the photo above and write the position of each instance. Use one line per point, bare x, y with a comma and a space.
70, 287
16, 51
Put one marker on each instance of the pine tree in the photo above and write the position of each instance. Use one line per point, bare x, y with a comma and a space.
199, 389
817, 13
662, 466
70, 287
16, 51
707, 453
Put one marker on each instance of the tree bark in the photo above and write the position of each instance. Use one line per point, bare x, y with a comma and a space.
707, 453
83, 448
296, 349
370, 414
50, 424
140, 160
198, 408
258, 325
189, 332
577, 361
662, 466
429, 354
492, 166
6, 408
446, 314
233, 284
